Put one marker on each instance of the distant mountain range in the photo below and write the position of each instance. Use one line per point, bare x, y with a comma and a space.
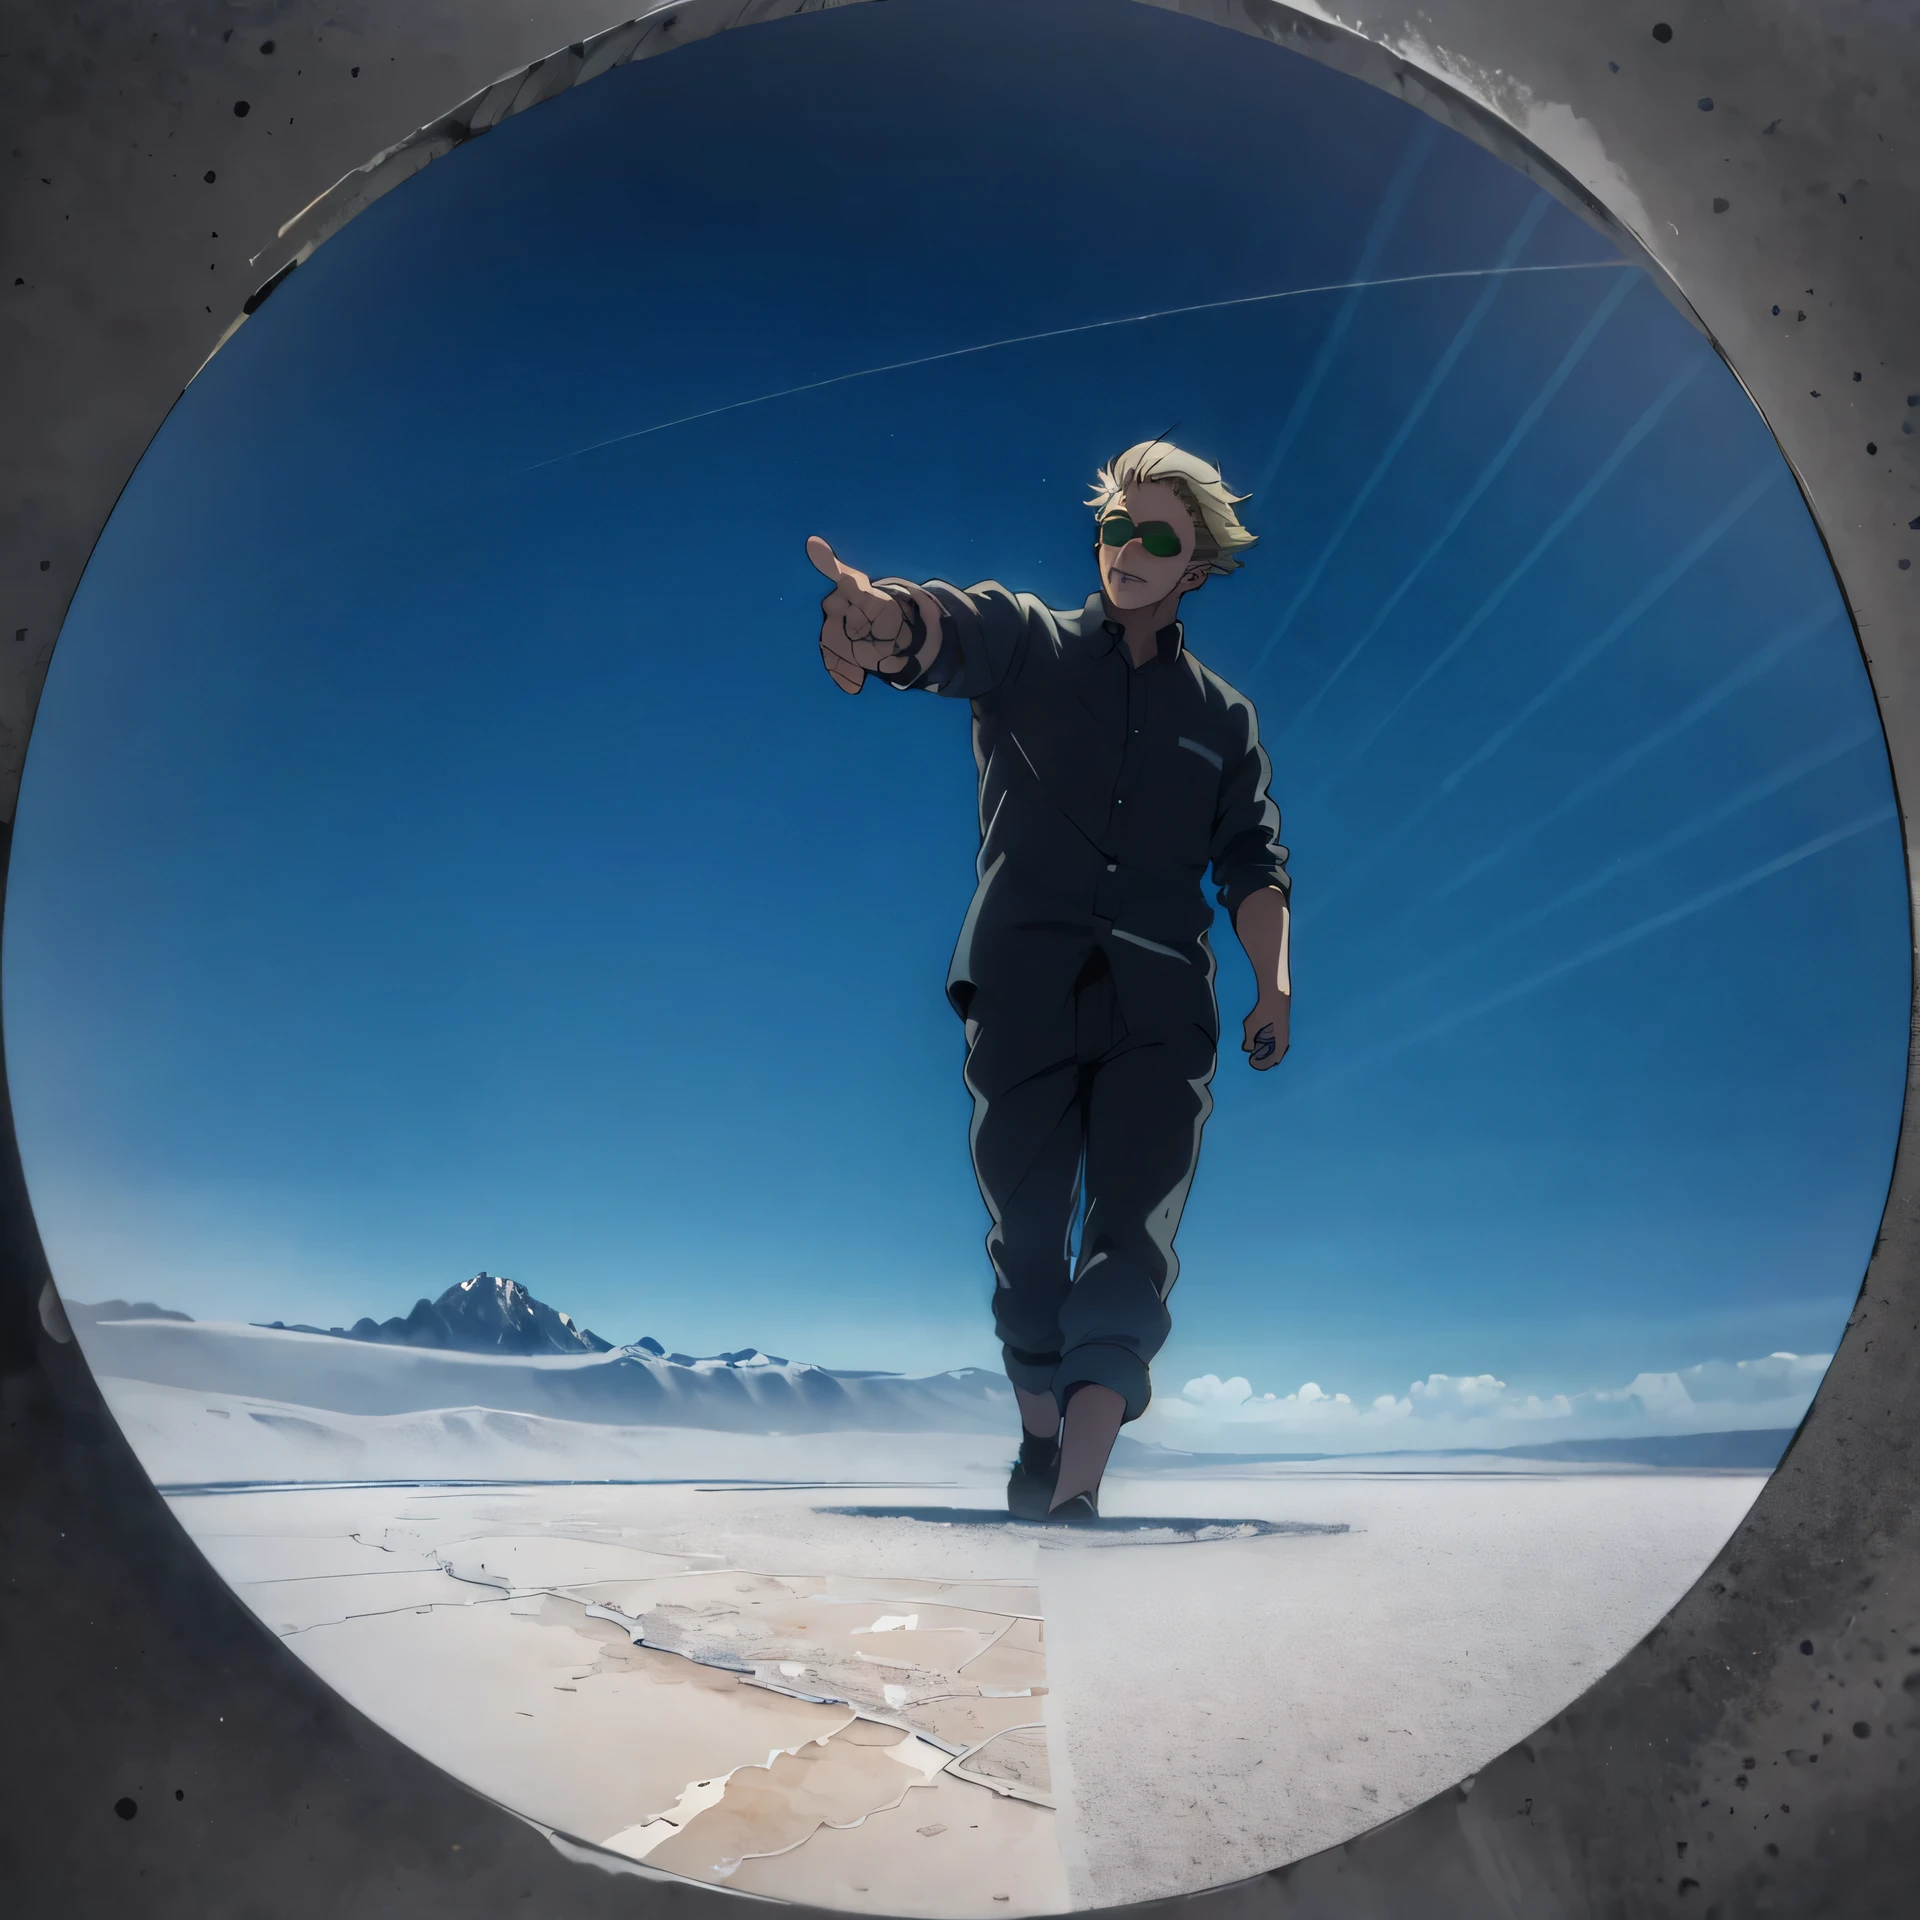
488, 1343
89, 1313
487, 1314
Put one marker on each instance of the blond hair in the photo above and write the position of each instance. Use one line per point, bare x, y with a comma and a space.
1218, 534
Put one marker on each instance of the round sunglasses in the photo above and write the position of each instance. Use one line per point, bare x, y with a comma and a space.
1156, 536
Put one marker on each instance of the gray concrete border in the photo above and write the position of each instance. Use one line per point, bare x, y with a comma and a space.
1694, 1777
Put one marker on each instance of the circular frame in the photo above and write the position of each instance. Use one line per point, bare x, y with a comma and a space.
138, 1676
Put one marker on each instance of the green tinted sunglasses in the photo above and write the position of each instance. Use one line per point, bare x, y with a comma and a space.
1156, 536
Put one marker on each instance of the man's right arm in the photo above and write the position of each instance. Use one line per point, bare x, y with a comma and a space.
963, 645
972, 649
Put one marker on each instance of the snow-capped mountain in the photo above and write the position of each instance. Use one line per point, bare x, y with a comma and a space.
487, 1314
413, 1365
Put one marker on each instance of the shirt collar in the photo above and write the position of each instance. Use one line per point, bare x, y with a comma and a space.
1103, 634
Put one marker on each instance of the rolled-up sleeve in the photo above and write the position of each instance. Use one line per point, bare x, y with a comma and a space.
1246, 850
983, 636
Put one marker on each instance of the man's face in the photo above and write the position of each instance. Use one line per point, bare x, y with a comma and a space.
1130, 575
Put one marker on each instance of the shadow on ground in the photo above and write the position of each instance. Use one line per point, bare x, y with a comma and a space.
1132, 1529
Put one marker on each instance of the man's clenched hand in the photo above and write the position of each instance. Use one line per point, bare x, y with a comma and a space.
863, 628
1264, 1032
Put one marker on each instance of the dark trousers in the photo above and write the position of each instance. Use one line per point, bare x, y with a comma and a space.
1067, 1100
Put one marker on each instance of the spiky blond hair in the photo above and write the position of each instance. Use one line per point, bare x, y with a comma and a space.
1218, 534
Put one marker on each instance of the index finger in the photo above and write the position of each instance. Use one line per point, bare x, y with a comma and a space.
826, 561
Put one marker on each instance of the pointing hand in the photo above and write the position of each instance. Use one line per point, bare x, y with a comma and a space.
863, 629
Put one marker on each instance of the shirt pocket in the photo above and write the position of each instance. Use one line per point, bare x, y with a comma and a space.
1185, 791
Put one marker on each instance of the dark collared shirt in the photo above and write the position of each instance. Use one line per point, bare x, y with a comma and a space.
1105, 791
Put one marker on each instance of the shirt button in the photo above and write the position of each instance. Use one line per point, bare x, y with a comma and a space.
1113, 866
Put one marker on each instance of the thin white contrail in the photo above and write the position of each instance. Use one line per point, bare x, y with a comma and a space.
1626, 937
1470, 499
1061, 333
1536, 210
1386, 219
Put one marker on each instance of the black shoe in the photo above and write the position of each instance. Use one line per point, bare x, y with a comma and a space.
1081, 1511
1034, 1477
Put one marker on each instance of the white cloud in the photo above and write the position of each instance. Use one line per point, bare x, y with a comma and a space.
1479, 1409
1236, 1398
1211, 1391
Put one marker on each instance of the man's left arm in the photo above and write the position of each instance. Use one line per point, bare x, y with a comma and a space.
1250, 870
1265, 929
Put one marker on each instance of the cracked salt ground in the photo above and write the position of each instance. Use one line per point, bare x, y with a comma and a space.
1015, 1759
763, 1812
716, 1722
866, 1711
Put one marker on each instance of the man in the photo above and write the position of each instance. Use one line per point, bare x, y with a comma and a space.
1113, 767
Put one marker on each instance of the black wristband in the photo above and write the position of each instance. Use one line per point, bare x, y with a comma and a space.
910, 642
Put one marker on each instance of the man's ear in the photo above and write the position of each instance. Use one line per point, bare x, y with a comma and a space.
1195, 579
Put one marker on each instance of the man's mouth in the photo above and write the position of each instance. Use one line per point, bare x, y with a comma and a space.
1128, 579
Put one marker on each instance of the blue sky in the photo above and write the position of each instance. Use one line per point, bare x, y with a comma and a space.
436, 853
